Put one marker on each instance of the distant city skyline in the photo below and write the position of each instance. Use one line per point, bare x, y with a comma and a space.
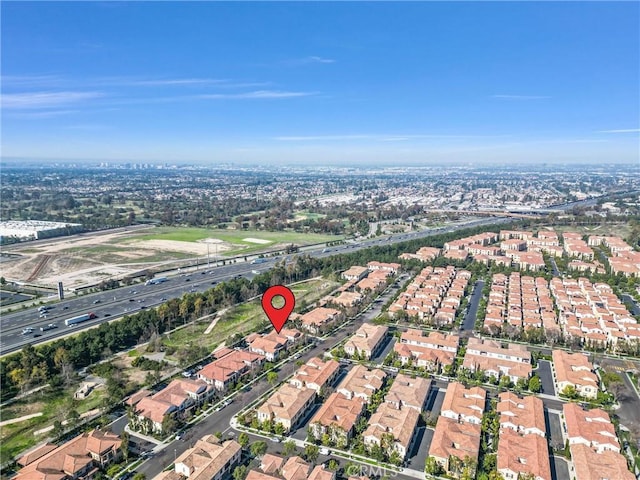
362, 83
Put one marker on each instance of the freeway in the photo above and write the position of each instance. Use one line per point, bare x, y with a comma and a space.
113, 304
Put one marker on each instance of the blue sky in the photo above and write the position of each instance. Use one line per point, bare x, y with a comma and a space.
322, 83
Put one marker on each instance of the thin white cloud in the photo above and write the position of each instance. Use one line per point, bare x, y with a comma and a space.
390, 137
41, 114
520, 97
24, 81
321, 59
310, 60
258, 94
45, 99
622, 130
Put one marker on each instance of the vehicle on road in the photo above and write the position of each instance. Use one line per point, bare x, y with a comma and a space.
51, 326
258, 260
79, 319
27, 331
156, 281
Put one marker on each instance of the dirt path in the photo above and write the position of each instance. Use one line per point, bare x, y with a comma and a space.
20, 419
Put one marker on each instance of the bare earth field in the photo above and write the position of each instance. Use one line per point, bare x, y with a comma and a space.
84, 260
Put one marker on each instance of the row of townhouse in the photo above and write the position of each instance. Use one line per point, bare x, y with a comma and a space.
457, 435
275, 467
624, 259
516, 249
595, 450
367, 341
80, 458
582, 266
434, 294
523, 447
433, 351
424, 254
576, 371
292, 401
338, 415
497, 359
209, 459
575, 246
319, 320
519, 301
178, 400
485, 238
229, 366
273, 344
393, 424
593, 312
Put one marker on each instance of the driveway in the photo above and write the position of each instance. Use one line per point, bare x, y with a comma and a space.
554, 429
434, 404
546, 377
559, 468
385, 351
418, 454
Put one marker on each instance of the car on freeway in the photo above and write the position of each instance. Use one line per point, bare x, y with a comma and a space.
27, 331
95, 302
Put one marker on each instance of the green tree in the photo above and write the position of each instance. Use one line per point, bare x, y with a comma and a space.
432, 467
169, 424
535, 385
288, 448
243, 440
258, 448
333, 465
272, 378
139, 476
240, 472
311, 453
124, 446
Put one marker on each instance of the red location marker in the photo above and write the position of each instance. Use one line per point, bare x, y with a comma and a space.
278, 316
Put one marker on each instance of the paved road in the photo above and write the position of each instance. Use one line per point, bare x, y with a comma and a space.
559, 468
112, 304
631, 303
472, 309
553, 425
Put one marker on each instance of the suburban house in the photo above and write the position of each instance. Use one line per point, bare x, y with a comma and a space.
361, 382
491, 357
274, 467
592, 428
464, 404
208, 459
522, 415
587, 464
398, 425
177, 399
523, 454
320, 319
229, 366
337, 418
454, 440
287, 406
432, 352
407, 392
355, 273
79, 458
273, 344
574, 370
316, 374
366, 341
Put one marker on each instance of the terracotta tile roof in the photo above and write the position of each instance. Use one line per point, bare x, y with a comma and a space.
361, 382
339, 410
315, 373
319, 316
69, 458
408, 392
574, 368
525, 414
452, 438
366, 338
295, 468
271, 463
286, 402
524, 454
207, 458
590, 465
465, 402
401, 423
593, 426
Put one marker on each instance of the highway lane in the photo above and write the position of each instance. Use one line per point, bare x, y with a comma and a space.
112, 304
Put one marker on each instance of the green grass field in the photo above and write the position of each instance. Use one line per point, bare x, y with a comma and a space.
236, 236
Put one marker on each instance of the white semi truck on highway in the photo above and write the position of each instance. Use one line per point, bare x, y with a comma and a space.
79, 319
155, 281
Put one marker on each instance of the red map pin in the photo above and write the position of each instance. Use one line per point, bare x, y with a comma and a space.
278, 316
